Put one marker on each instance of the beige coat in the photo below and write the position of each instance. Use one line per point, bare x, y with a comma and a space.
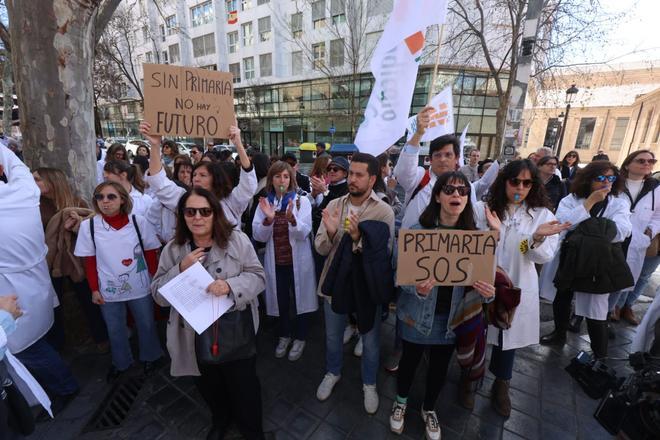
372, 209
61, 242
237, 264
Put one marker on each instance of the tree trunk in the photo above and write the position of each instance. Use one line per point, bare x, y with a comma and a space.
8, 98
52, 54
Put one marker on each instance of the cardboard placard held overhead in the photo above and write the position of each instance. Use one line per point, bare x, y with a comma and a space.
450, 257
186, 101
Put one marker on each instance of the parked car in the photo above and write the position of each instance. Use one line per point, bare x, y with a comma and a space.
184, 147
132, 146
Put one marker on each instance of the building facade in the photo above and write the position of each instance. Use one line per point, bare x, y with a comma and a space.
616, 109
297, 77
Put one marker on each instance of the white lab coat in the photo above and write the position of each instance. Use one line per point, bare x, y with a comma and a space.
571, 209
645, 332
169, 194
141, 202
163, 220
646, 214
409, 175
23, 268
520, 267
303, 264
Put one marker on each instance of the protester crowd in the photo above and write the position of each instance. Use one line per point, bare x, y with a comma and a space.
283, 244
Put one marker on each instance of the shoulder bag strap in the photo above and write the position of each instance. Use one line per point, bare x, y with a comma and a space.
138, 234
91, 231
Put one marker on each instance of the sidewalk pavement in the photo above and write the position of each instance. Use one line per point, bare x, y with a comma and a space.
547, 404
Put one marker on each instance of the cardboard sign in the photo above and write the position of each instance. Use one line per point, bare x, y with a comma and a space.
452, 258
185, 101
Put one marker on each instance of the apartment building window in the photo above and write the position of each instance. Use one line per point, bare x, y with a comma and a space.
230, 6
372, 42
585, 133
318, 51
265, 64
264, 29
235, 69
165, 58
620, 126
318, 14
297, 24
379, 7
171, 25
204, 45
296, 62
248, 67
201, 14
246, 4
232, 41
210, 67
246, 29
337, 53
149, 57
338, 11
145, 34
656, 137
162, 32
175, 54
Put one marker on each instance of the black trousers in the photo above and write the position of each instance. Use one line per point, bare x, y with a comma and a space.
232, 392
439, 357
597, 329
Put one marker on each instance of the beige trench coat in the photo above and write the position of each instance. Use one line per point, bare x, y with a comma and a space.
237, 264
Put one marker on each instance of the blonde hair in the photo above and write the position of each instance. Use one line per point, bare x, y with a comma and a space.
58, 187
125, 207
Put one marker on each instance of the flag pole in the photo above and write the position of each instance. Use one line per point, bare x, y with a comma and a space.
434, 77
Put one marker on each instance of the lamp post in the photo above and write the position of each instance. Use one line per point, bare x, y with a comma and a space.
301, 107
558, 128
570, 95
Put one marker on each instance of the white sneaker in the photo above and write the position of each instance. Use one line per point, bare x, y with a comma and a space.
357, 351
432, 425
370, 398
282, 346
349, 332
296, 350
327, 384
397, 416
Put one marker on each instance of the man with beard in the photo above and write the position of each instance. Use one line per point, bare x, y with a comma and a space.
340, 237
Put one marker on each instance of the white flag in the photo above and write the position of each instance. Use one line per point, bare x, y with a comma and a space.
394, 66
461, 159
442, 118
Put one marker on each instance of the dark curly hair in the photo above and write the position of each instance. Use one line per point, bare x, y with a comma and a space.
537, 197
581, 185
222, 184
431, 215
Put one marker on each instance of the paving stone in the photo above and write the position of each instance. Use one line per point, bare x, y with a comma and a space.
195, 424
178, 410
526, 384
152, 429
347, 415
326, 431
369, 428
453, 416
478, 428
302, 424
560, 416
163, 398
522, 424
508, 435
281, 411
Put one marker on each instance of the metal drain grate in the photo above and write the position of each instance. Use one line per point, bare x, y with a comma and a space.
115, 407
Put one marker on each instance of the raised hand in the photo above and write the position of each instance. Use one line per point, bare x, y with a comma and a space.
493, 219
192, 258
267, 208
330, 221
318, 186
425, 287
550, 228
353, 222
289, 213
424, 119
154, 139
391, 182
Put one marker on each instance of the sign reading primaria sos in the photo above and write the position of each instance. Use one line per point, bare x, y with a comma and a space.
187, 101
449, 257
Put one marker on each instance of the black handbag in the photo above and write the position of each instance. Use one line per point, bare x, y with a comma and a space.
20, 416
235, 339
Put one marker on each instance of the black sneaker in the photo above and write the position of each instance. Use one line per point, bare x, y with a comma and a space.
555, 338
114, 374
151, 367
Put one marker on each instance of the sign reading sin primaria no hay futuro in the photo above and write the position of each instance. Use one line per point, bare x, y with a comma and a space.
186, 101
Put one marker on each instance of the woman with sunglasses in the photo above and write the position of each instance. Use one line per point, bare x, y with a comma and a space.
284, 222
207, 175
427, 313
594, 193
569, 165
554, 186
643, 192
118, 249
226, 375
528, 236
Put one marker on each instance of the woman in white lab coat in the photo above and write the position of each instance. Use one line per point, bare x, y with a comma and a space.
528, 236
594, 192
643, 193
284, 222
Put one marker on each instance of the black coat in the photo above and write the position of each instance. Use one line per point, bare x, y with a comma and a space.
335, 191
556, 190
303, 182
359, 282
589, 261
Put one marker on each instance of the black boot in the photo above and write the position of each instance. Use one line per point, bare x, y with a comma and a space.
575, 323
598, 335
557, 337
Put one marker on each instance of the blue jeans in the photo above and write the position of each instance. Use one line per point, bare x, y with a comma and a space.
627, 299
335, 324
501, 362
114, 314
48, 368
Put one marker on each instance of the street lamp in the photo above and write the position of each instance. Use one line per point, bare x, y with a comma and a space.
557, 130
301, 107
570, 95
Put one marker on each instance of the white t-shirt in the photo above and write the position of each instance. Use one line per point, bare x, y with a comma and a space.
634, 187
122, 269
141, 202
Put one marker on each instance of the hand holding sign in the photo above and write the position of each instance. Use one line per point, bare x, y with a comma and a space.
425, 287
484, 289
154, 139
423, 120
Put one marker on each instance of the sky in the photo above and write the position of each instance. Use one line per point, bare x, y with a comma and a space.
634, 38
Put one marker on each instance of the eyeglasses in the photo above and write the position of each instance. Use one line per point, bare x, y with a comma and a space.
100, 197
451, 189
526, 183
334, 169
602, 178
192, 212
571, 155
645, 161
554, 164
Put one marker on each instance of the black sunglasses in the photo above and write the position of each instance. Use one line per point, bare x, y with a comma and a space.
526, 183
450, 189
100, 197
191, 212
334, 169
602, 178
